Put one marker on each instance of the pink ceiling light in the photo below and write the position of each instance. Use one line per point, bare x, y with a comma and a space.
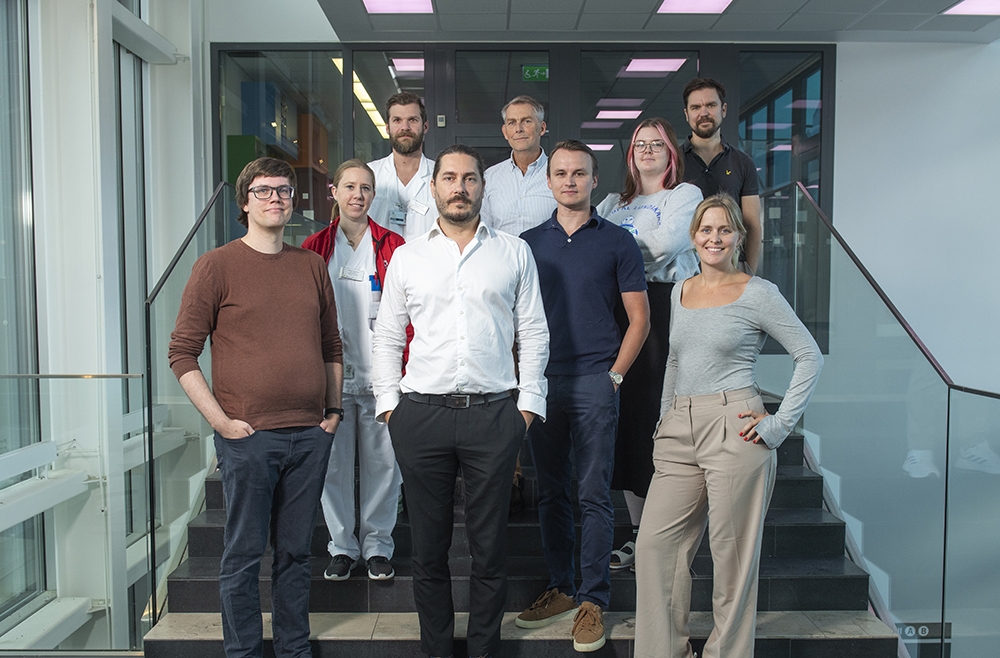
620, 102
399, 6
654, 65
409, 65
693, 6
601, 147
619, 114
976, 8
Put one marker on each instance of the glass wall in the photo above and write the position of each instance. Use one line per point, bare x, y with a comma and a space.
620, 89
22, 568
287, 105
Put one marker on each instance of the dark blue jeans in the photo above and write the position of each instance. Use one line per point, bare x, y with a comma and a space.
271, 482
581, 422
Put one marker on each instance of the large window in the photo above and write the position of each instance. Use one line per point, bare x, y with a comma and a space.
21, 554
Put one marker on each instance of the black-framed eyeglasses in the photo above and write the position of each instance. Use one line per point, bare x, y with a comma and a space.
654, 146
264, 192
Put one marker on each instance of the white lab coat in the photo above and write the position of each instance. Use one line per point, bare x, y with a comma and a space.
416, 197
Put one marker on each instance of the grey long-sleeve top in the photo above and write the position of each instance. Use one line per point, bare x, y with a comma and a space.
715, 349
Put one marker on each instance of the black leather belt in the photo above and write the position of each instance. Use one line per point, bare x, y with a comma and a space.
457, 400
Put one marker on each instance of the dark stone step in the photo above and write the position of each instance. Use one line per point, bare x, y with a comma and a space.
788, 532
832, 583
825, 634
790, 453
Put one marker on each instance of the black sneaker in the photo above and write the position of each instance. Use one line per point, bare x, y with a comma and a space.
379, 568
340, 568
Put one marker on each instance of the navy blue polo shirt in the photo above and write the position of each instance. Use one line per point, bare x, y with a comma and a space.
581, 277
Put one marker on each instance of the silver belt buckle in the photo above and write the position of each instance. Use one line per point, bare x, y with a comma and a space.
459, 399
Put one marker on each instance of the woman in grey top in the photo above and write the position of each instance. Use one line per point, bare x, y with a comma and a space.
714, 446
656, 208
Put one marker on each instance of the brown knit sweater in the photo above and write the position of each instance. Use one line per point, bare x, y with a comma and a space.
273, 324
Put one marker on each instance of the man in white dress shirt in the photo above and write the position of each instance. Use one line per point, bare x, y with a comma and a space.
403, 200
517, 194
469, 292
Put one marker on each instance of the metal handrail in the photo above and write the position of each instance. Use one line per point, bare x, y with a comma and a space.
877, 288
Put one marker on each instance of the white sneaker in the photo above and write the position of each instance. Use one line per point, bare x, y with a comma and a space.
979, 457
920, 464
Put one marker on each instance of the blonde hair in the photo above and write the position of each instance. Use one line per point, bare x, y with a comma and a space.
733, 216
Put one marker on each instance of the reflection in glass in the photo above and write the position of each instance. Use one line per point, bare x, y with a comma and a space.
286, 105
610, 82
972, 585
485, 81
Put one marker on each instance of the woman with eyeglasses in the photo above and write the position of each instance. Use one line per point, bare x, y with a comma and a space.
656, 207
357, 251
715, 444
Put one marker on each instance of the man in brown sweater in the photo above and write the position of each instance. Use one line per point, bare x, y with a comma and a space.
277, 373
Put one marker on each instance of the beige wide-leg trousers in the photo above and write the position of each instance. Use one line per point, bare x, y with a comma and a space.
705, 472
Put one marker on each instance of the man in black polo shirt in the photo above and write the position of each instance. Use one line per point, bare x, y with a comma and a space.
729, 170
585, 264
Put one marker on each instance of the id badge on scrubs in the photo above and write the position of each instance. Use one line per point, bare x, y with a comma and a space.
348, 371
352, 274
418, 207
398, 216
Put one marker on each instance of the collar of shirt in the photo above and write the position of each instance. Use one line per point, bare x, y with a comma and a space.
540, 162
481, 231
595, 220
687, 145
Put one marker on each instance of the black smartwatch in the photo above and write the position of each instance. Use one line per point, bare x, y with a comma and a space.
333, 410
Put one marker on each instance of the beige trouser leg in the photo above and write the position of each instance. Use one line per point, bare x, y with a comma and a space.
705, 471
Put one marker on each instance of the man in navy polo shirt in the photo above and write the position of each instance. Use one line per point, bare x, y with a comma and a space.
584, 263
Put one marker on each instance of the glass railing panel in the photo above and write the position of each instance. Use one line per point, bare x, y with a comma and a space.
183, 449
74, 526
876, 425
972, 576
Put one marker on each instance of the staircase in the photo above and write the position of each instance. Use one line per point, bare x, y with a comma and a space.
812, 600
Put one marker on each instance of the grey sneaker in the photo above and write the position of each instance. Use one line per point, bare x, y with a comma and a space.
340, 568
379, 568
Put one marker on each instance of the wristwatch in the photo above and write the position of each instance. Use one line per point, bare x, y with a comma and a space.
617, 378
333, 410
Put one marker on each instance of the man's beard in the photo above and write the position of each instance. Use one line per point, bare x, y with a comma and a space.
457, 216
406, 148
708, 131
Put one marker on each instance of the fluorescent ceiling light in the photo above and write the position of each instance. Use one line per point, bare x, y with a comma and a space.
620, 102
976, 8
601, 125
406, 64
399, 6
774, 126
782, 147
365, 100
601, 147
619, 114
659, 65
688, 6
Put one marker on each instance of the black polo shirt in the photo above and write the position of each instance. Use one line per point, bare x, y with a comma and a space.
732, 172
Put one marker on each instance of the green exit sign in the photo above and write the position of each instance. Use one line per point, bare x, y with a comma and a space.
535, 73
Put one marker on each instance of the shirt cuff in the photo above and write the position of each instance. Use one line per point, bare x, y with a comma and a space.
769, 428
531, 402
388, 401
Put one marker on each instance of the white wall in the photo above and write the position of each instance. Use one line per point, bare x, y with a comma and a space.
263, 21
916, 184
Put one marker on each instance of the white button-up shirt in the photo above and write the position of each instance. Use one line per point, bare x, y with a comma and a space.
414, 198
514, 202
467, 309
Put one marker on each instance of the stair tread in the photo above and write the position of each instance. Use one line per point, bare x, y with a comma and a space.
396, 626
207, 568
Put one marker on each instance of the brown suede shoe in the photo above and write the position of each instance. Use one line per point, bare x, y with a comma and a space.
550, 606
588, 628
